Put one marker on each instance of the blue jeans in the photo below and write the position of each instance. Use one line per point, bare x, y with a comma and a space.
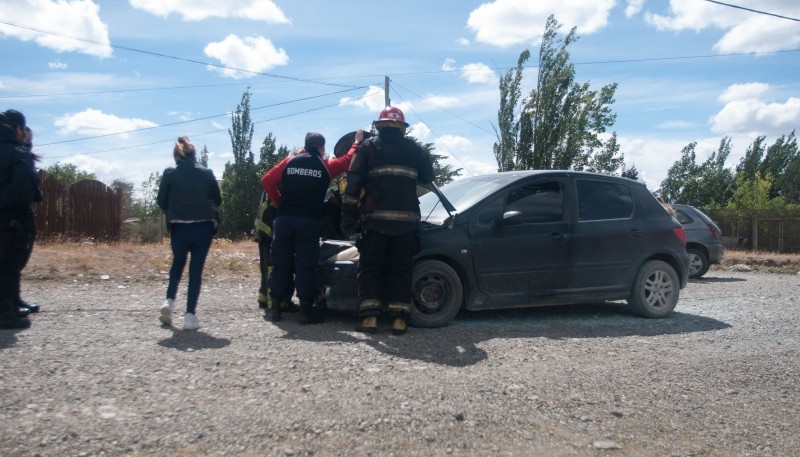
193, 238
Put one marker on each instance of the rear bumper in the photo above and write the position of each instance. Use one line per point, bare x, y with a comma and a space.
715, 253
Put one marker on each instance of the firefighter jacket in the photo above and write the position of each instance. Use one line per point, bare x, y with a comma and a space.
271, 181
265, 217
387, 169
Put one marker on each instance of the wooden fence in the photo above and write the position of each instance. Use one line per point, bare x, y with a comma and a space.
759, 230
87, 209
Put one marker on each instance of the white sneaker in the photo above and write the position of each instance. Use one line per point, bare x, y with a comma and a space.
166, 311
190, 322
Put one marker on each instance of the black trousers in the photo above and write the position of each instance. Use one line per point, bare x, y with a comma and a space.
295, 250
16, 246
264, 243
385, 271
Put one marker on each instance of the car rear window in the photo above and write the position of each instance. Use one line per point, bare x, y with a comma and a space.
602, 200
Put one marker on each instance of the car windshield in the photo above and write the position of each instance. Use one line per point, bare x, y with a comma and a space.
462, 193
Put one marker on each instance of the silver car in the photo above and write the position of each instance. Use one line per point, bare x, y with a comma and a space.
703, 242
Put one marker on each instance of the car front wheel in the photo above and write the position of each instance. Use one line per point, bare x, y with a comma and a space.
655, 290
698, 263
437, 294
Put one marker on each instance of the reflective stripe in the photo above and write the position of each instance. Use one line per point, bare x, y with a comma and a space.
395, 215
406, 172
349, 200
400, 306
369, 304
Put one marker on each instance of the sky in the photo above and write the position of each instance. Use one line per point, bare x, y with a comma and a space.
108, 85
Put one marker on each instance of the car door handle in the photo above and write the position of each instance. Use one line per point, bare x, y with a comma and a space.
557, 236
635, 233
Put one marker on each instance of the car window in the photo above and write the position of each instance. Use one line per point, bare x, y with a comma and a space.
538, 202
601, 200
683, 218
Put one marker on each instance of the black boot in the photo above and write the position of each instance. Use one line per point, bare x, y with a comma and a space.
311, 314
32, 308
275, 313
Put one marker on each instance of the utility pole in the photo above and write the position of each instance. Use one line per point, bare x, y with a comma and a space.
386, 91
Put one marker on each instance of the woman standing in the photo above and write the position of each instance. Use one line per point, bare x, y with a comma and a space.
189, 195
19, 189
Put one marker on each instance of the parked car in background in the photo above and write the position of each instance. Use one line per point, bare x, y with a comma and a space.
703, 243
532, 238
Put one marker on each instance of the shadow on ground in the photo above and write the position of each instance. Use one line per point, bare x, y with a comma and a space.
457, 344
192, 340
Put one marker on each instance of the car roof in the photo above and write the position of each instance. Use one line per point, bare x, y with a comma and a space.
506, 177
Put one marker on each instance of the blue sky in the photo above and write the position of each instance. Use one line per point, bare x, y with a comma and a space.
108, 85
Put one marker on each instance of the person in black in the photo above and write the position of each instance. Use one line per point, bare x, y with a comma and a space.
387, 169
299, 185
19, 189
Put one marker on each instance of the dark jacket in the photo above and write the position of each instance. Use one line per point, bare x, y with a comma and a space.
19, 183
387, 169
189, 192
303, 186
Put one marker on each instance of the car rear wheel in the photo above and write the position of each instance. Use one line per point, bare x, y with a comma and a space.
437, 294
655, 290
698, 263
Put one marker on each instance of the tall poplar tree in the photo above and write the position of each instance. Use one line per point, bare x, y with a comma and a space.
240, 187
559, 124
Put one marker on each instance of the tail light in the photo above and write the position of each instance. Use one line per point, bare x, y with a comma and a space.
681, 234
713, 231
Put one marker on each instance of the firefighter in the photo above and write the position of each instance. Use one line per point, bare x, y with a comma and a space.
263, 225
387, 169
297, 185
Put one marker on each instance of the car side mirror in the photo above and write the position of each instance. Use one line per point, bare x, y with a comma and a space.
509, 218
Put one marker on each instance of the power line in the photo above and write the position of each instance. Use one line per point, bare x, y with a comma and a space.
166, 56
196, 119
753, 11
195, 135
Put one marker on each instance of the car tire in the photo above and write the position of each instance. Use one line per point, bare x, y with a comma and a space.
655, 290
437, 294
698, 263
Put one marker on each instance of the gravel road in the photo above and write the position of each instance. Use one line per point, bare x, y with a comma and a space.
96, 374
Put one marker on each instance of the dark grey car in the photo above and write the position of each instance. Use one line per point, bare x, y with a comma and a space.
703, 243
532, 238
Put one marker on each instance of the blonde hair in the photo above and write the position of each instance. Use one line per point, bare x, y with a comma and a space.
183, 148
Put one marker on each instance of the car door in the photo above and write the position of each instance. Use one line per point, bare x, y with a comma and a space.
529, 252
607, 237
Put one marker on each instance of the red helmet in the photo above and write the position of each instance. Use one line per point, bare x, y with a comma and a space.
392, 114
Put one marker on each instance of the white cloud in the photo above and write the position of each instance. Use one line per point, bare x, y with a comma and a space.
57, 65
745, 91
462, 42
677, 125
95, 122
744, 31
449, 65
252, 54
76, 18
514, 22
442, 101
103, 169
755, 116
197, 10
633, 8
218, 125
374, 101
478, 73
420, 131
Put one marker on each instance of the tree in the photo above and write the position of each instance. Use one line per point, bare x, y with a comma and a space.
204, 157
442, 173
714, 181
68, 173
608, 160
753, 193
241, 186
674, 187
559, 124
776, 162
269, 156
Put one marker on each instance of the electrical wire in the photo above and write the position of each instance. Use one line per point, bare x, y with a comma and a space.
194, 120
195, 135
753, 11
463, 166
166, 56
